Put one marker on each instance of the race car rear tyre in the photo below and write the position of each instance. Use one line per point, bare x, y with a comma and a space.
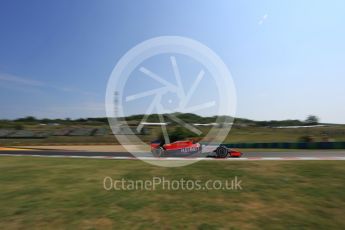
158, 152
222, 152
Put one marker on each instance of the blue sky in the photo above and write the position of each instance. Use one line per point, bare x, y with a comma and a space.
286, 57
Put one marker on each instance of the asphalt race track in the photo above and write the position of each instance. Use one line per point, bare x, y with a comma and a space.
252, 155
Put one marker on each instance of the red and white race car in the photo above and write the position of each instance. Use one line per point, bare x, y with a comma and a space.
176, 149
190, 149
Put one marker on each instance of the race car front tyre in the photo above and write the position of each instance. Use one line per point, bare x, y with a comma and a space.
221, 152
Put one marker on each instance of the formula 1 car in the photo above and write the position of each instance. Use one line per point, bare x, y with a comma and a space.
189, 149
176, 149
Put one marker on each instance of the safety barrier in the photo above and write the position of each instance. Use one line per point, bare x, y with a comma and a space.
290, 145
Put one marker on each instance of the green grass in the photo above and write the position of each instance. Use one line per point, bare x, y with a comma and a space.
236, 135
61, 140
264, 134
46, 193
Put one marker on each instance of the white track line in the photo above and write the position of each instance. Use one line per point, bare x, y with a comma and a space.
308, 158
271, 158
186, 159
340, 158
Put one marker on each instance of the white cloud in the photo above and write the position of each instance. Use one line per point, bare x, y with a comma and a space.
19, 80
75, 90
84, 109
263, 19
41, 110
